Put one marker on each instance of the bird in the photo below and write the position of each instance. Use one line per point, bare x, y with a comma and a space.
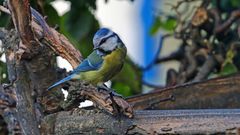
106, 61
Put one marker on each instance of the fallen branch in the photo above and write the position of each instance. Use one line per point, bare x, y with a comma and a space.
144, 122
214, 93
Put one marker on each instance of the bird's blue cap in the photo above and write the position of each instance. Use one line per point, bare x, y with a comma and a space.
102, 32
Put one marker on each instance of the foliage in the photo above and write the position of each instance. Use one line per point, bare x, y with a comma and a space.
209, 32
128, 81
168, 24
228, 66
227, 5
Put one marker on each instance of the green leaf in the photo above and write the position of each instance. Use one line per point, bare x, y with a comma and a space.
229, 56
167, 25
228, 68
155, 27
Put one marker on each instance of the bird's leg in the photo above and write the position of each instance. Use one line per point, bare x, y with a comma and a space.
111, 91
12, 81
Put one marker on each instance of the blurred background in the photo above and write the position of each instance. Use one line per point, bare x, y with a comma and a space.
164, 48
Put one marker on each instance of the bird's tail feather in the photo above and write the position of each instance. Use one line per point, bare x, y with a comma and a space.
61, 81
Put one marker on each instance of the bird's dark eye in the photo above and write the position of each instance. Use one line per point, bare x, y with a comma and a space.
102, 41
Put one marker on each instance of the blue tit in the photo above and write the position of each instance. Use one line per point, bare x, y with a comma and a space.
103, 63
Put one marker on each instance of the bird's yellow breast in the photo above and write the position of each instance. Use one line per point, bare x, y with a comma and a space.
112, 65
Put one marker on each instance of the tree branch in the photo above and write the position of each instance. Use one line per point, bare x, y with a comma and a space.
208, 66
58, 42
21, 16
80, 91
214, 93
144, 122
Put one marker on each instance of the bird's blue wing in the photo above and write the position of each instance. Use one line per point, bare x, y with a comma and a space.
61, 81
92, 62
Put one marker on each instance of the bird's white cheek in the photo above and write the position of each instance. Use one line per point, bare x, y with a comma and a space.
108, 46
105, 47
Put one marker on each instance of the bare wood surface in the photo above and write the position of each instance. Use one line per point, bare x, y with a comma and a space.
146, 122
58, 42
20, 10
215, 93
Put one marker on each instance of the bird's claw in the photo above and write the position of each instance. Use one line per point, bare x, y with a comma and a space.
5, 86
110, 91
115, 94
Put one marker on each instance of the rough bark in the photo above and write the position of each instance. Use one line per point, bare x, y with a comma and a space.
49, 36
30, 82
215, 93
80, 91
27, 60
80, 121
8, 119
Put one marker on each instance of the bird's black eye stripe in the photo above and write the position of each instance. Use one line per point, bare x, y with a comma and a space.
102, 41
105, 39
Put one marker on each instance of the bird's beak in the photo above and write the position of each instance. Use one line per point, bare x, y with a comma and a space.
95, 48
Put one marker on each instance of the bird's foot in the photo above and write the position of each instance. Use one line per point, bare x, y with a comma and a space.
109, 90
5, 86
115, 94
